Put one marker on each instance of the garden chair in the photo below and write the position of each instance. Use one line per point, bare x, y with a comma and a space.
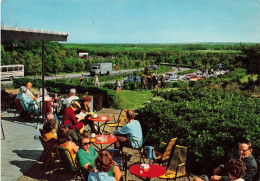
177, 165
168, 152
121, 162
121, 121
68, 161
49, 154
141, 147
24, 112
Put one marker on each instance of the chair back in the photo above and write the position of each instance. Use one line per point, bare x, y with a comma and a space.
178, 160
115, 153
169, 150
66, 157
20, 105
47, 107
49, 146
122, 119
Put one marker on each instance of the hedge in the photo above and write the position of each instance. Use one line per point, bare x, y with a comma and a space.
210, 123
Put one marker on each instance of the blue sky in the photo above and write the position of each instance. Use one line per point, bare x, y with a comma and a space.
139, 21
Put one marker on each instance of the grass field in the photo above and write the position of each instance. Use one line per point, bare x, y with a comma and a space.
133, 99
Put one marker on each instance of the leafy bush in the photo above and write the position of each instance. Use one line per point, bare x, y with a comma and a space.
210, 123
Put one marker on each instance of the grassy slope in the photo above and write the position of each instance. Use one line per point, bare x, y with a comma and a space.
133, 99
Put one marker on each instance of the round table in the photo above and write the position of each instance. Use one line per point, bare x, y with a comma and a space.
100, 119
108, 141
153, 171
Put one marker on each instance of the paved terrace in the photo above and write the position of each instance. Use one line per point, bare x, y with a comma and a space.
20, 152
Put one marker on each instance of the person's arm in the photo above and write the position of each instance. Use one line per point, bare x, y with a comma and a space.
251, 171
117, 173
122, 131
73, 146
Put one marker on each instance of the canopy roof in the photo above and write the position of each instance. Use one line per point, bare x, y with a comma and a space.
12, 33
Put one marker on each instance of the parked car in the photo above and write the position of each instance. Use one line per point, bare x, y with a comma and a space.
194, 77
168, 75
175, 78
132, 78
185, 78
153, 67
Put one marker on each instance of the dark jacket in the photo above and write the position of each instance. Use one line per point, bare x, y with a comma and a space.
251, 167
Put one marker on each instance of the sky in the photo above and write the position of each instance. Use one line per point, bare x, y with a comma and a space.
139, 21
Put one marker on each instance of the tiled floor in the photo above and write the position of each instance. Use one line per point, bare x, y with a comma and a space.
19, 150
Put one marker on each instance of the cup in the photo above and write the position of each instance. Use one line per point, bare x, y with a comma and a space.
93, 135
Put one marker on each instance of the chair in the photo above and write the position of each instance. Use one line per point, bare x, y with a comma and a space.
141, 147
67, 160
121, 121
168, 152
177, 167
121, 163
24, 111
49, 154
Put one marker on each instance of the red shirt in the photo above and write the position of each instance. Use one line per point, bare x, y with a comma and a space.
70, 120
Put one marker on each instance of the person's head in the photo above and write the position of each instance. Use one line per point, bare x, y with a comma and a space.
236, 168
104, 161
50, 126
84, 141
87, 99
96, 75
49, 116
130, 114
29, 85
63, 135
245, 149
75, 106
23, 89
72, 92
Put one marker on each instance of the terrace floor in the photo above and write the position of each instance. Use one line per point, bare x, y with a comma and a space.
21, 151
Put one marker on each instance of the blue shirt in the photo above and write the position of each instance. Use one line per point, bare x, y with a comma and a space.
100, 176
132, 130
28, 102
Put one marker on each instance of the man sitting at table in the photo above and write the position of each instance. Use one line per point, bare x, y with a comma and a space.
72, 96
29, 92
129, 135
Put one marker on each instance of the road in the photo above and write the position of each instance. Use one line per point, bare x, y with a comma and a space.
87, 75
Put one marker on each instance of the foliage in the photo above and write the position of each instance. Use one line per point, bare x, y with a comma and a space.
210, 123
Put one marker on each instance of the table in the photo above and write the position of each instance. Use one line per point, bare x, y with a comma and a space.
153, 171
100, 119
108, 141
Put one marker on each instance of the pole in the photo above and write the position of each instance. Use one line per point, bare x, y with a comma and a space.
43, 73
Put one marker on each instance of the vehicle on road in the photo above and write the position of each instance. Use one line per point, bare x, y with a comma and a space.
168, 75
174, 78
101, 69
132, 78
153, 67
194, 77
11, 71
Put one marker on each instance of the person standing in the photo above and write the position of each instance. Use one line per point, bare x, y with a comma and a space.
149, 81
118, 86
143, 82
163, 84
155, 82
96, 81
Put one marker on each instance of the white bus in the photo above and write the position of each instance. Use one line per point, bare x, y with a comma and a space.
11, 71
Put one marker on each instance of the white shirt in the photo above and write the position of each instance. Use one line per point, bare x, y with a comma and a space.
68, 100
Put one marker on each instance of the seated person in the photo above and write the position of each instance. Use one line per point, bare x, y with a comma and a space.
70, 120
235, 169
64, 141
49, 129
72, 96
86, 155
245, 154
28, 102
85, 107
29, 92
38, 101
107, 170
131, 130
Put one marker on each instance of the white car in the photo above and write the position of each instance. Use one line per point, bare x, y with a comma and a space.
168, 75
175, 78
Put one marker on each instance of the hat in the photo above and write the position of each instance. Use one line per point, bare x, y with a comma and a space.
73, 91
77, 103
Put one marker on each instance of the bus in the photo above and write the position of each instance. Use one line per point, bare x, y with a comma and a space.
11, 71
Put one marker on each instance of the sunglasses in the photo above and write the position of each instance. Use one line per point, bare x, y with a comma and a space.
88, 143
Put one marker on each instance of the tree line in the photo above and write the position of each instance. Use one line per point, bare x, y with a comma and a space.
64, 57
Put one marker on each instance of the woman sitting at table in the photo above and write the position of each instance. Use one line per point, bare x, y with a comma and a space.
49, 128
85, 108
64, 141
70, 120
86, 155
107, 170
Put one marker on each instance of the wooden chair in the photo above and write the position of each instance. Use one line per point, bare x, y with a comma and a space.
121, 121
177, 165
67, 160
167, 154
